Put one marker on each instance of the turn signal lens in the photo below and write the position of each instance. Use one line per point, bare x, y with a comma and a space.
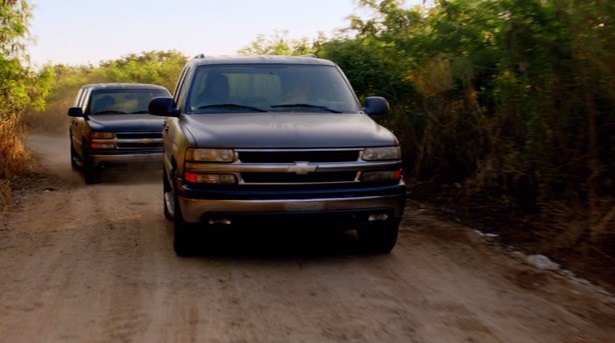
96, 145
217, 179
381, 176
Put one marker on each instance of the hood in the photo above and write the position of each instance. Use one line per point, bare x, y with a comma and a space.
286, 130
126, 122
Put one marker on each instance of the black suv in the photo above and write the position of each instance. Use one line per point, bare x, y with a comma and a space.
277, 140
110, 125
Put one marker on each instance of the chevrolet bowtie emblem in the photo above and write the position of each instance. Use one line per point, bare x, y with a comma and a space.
302, 168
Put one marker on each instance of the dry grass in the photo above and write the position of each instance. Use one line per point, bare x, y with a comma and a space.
53, 119
13, 156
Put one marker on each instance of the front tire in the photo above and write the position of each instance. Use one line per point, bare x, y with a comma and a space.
183, 233
91, 173
168, 197
379, 239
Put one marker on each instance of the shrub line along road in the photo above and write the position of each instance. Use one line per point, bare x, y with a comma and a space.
95, 264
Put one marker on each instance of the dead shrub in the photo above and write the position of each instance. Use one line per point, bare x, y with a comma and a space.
13, 156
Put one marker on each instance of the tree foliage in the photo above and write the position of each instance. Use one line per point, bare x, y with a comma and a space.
20, 87
157, 67
280, 44
532, 81
509, 100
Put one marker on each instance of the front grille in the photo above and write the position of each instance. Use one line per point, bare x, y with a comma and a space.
295, 159
291, 156
295, 169
139, 140
137, 145
274, 178
138, 135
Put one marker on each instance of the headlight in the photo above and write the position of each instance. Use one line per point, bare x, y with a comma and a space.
382, 154
210, 155
102, 135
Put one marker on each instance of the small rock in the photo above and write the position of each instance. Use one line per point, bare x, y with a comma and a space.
542, 262
518, 254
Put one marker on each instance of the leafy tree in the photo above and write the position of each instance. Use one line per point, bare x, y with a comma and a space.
158, 67
20, 88
511, 101
280, 44
14, 17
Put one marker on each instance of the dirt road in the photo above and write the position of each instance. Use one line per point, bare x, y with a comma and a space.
95, 264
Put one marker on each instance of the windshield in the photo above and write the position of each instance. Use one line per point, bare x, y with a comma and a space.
122, 101
270, 88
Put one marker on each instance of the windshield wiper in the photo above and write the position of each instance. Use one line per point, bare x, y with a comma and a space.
325, 108
139, 112
237, 106
110, 112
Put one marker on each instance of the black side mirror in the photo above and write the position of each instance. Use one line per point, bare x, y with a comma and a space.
163, 107
376, 106
75, 112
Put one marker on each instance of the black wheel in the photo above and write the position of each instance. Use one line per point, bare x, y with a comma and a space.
183, 233
379, 239
183, 239
91, 174
168, 198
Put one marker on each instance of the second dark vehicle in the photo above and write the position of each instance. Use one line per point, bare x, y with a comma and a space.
110, 125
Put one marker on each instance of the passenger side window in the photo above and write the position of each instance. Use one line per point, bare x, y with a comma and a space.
179, 93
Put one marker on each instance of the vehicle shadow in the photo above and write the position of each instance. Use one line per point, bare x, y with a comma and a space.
273, 243
132, 175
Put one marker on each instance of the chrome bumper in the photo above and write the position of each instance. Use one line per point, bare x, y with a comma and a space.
126, 158
194, 209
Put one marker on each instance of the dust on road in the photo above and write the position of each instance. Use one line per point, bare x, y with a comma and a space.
95, 264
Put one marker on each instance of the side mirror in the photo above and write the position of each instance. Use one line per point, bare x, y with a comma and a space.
75, 112
376, 106
163, 107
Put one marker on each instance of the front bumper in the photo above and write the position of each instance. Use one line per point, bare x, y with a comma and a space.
108, 159
204, 210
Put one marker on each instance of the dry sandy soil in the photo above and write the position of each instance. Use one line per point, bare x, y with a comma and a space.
95, 264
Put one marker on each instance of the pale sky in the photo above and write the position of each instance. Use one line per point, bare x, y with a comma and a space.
90, 31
